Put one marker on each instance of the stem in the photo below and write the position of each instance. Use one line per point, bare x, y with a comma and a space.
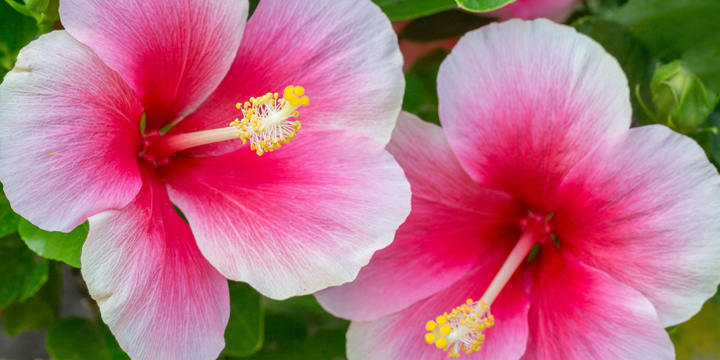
532, 235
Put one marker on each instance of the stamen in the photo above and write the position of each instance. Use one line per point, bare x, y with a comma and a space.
265, 122
461, 330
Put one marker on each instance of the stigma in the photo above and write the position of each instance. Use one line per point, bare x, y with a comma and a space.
461, 330
268, 121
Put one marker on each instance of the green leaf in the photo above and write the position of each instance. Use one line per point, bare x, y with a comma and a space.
421, 87
699, 338
713, 144
20, 7
244, 333
601, 6
449, 24
8, 218
398, 10
299, 329
116, 352
16, 31
704, 61
66, 247
77, 339
253, 6
482, 5
39, 311
669, 27
22, 273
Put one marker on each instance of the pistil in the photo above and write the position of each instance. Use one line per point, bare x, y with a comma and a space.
268, 122
462, 329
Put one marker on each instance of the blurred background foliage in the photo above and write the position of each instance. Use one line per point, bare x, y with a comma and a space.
669, 50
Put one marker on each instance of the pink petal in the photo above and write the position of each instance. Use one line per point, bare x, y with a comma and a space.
579, 312
344, 53
173, 53
452, 224
555, 10
522, 102
296, 220
402, 335
71, 131
644, 208
160, 297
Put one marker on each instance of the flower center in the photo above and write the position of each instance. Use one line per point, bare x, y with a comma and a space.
268, 122
265, 121
461, 330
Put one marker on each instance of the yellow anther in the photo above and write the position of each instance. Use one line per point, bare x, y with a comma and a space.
446, 329
430, 338
461, 330
265, 123
430, 326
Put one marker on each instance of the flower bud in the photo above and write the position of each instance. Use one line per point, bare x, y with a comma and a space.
681, 100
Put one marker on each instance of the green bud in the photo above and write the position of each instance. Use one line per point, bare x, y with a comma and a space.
681, 100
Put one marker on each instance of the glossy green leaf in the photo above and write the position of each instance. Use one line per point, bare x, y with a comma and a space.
601, 7
299, 329
699, 338
712, 144
449, 24
398, 10
8, 218
116, 352
77, 338
421, 87
704, 61
45, 12
669, 27
16, 31
39, 311
22, 273
19, 6
482, 5
245, 330
253, 5
66, 247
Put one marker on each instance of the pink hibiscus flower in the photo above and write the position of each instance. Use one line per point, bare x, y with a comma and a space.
536, 152
75, 146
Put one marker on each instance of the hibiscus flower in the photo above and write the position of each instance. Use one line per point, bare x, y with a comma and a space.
542, 226
141, 106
